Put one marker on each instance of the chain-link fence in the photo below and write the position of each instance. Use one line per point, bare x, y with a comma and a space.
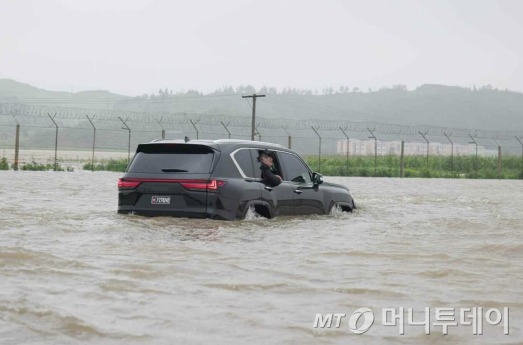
335, 147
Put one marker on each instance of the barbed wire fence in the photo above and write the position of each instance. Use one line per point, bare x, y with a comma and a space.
71, 132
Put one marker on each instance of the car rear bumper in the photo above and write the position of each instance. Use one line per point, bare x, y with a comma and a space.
210, 212
167, 213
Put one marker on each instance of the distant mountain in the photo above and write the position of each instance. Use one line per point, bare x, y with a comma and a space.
13, 91
438, 105
446, 106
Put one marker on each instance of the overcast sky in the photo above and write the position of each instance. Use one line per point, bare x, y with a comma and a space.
134, 47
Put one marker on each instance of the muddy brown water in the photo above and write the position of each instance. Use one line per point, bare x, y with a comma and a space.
73, 271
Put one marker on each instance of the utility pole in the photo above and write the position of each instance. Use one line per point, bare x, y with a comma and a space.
253, 96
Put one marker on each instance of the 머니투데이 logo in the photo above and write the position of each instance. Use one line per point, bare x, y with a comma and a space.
475, 317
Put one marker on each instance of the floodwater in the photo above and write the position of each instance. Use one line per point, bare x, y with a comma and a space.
73, 271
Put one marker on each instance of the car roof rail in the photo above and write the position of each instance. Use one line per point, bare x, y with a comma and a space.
218, 141
234, 141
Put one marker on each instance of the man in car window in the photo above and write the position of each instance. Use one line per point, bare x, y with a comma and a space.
267, 167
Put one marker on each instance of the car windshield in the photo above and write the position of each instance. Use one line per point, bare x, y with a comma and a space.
172, 158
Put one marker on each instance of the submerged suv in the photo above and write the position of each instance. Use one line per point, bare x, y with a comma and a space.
221, 179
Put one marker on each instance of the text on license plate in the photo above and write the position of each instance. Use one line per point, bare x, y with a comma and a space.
160, 200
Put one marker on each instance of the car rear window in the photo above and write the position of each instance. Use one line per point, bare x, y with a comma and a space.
172, 158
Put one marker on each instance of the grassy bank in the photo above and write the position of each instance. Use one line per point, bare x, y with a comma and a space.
33, 166
118, 165
416, 166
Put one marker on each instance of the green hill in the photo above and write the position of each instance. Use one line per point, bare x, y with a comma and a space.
437, 105
446, 106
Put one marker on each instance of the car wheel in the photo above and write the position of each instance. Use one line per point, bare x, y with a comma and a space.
336, 209
257, 211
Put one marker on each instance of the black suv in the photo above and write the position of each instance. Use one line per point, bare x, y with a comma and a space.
221, 179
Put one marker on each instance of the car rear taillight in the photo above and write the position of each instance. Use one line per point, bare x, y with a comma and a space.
203, 185
213, 185
198, 185
128, 184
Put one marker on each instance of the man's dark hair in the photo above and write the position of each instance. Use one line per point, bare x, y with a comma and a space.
267, 153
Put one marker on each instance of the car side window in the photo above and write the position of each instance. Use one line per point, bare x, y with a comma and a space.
244, 160
294, 169
257, 170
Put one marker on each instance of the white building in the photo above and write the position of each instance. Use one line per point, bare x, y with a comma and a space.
365, 147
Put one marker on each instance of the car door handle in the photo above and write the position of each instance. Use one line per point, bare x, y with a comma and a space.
268, 188
297, 191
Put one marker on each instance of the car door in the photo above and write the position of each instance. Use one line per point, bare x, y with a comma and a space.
308, 198
281, 197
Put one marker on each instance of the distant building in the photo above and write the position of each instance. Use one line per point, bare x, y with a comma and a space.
365, 147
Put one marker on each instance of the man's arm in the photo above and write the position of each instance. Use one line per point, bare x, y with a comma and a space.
269, 176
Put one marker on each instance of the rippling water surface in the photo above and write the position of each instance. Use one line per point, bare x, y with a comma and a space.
73, 271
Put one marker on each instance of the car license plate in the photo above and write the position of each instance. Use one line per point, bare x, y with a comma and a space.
160, 200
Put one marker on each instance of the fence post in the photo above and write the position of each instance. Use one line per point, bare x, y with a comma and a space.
129, 141
424, 137
227, 129
196, 129
319, 147
499, 157
402, 164
476, 161
519, 139
94, 140
451, 152
499, 162
289, 138
17, 146
159, 122
348, 150
375, 150
55, 141
17, 142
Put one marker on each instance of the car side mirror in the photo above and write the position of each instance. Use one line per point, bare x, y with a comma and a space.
317, 179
